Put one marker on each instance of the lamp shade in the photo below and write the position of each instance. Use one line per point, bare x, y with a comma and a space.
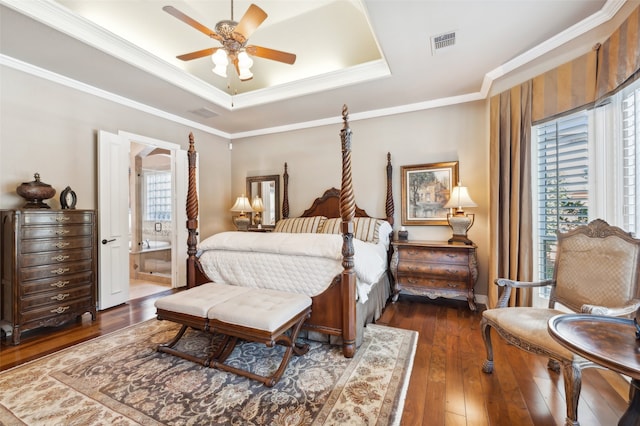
242, 205
460, 198
257, 204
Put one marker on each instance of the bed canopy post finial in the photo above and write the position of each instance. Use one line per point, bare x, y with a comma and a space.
389, 209
347, 213
192, 214
285, 195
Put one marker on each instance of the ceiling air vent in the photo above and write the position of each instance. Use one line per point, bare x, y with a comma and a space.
204, 112
442, 41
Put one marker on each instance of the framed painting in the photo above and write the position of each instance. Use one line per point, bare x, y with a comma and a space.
425, 191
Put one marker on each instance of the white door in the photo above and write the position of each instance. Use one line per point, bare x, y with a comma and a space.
113, 224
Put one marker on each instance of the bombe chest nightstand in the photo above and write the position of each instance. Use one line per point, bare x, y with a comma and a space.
435, 269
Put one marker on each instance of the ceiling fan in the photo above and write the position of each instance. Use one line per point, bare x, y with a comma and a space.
233, 36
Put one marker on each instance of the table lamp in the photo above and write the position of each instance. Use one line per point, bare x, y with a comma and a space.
242, 206
460, 222
257, 207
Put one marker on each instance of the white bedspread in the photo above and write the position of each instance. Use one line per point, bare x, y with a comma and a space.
299, 263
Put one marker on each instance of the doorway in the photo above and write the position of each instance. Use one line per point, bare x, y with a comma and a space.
150, 220
132, 234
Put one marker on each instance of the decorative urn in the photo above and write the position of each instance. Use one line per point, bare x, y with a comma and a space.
35, 192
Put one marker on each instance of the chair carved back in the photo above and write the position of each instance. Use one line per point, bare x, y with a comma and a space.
596, 264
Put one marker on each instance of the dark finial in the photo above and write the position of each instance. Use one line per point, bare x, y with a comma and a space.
345, 112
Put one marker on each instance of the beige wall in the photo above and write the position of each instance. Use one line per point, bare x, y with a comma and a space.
51, 129
454, 133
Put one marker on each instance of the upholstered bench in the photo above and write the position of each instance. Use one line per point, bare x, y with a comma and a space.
257, 315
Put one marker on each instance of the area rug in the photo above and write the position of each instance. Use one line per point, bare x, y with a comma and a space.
119, 379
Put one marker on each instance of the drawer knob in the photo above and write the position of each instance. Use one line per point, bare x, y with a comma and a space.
59, 284
62, 231
60, 271
60, 258
60, 296
451, 255
61, 219
452, 285
61, 244
60, 309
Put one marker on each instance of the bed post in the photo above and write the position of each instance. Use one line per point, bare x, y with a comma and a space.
389, 210
192, 215
285, 196
347, 213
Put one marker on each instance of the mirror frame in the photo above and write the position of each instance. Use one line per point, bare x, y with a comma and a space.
266, 178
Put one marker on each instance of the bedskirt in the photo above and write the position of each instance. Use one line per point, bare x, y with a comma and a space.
366, 313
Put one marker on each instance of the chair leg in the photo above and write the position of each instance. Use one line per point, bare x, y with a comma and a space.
572, 386
487, 367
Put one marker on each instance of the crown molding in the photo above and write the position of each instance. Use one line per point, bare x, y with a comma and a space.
608, 11
86, 88
332, 80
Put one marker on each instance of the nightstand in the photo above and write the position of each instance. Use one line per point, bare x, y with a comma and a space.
256, 229
435, 269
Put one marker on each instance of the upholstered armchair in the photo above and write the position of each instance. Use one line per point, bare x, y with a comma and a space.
596, 272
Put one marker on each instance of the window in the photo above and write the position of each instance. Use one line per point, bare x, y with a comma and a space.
630, 126
157, 186
586, 166
562, 182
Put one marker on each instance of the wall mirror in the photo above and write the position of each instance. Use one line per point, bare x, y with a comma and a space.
264, 193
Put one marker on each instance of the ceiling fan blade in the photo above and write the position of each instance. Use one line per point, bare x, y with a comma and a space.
192, 22
199, 54
253, 17
274, 55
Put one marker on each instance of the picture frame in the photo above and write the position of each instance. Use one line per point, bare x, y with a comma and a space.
425, 191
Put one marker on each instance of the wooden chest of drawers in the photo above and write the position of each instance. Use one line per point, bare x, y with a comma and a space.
48, 268
435, 269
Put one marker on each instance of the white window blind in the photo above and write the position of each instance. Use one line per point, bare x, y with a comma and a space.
562, 184
630, 126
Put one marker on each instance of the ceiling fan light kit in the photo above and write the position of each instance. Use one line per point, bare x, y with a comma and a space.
220, 60
233, 36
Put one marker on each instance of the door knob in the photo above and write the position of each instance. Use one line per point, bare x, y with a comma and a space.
105, 241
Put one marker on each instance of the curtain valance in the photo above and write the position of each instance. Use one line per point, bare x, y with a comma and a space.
565, 88
591, 76
619, 56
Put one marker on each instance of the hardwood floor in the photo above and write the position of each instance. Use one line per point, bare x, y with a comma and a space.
447, 384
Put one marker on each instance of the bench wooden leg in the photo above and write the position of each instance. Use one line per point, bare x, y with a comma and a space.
168, 348
292, 347
225, 348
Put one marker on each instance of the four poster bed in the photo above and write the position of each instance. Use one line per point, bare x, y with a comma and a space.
335, 253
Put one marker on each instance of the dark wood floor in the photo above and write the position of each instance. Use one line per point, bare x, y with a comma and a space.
447, 384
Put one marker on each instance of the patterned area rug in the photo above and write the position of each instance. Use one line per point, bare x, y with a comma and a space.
119, 379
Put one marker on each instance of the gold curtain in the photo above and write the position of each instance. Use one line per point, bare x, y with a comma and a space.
510, 227
619, 56
570, 86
